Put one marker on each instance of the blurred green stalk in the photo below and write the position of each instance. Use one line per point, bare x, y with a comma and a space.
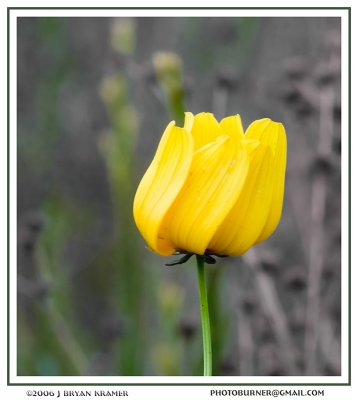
167, 351
123, 35
54, 338
63, 340
168, 68
117, 147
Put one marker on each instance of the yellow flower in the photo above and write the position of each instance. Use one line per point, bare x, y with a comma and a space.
213, 187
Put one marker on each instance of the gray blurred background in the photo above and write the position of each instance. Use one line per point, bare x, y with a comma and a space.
92, 106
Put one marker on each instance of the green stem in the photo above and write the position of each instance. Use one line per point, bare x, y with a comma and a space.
205, 321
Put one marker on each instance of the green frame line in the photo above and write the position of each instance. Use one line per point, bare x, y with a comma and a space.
179, 8
349, 198
8, 195
123, 384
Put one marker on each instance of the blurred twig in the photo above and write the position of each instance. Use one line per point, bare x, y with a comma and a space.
315, 93
246, 345
219, 318
329, 345
226, 81
273, 309
317, 247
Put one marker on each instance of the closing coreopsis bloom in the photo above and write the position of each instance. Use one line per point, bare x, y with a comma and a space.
213, 188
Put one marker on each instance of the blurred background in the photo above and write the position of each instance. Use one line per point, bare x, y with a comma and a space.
94, 96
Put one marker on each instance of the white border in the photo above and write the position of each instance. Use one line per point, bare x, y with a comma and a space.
13, 173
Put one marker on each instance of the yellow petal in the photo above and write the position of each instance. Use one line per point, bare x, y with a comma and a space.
232, 126
161, 184
205, 129
272, 134
244, 223
188, 121
214, 183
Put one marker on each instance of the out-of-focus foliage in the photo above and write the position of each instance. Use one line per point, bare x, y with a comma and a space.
94, 95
